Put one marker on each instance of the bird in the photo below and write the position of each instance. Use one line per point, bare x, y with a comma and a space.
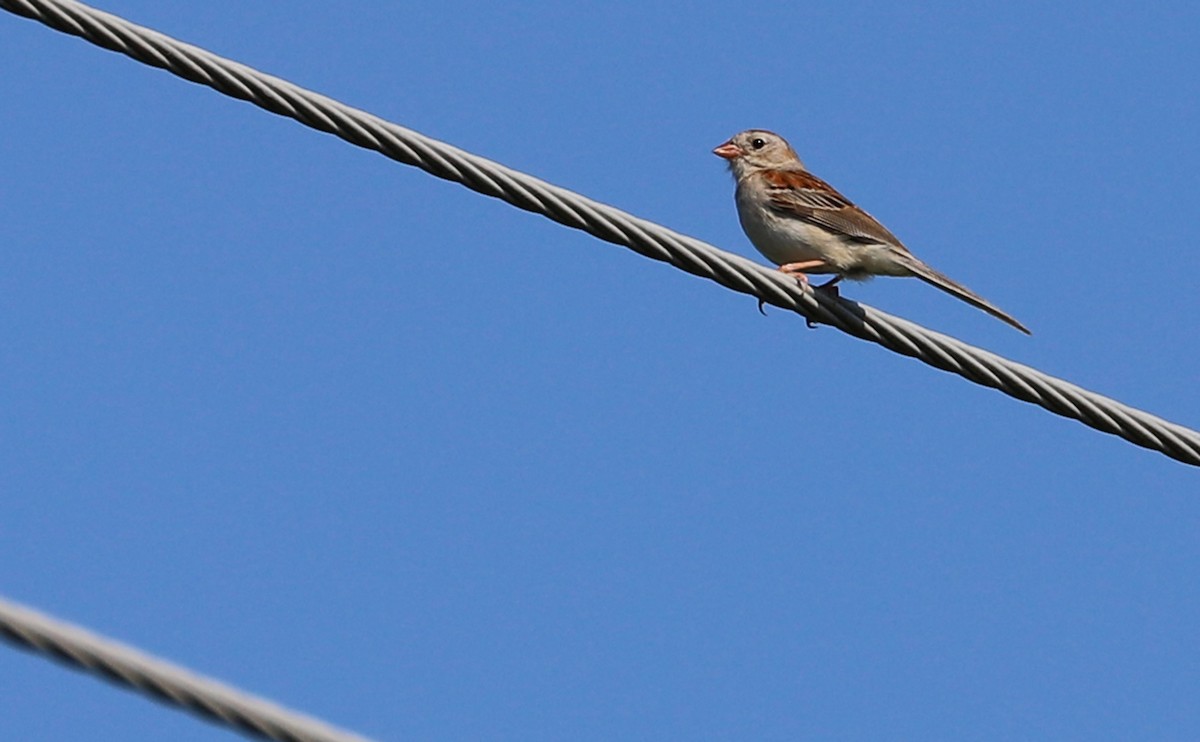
804, 225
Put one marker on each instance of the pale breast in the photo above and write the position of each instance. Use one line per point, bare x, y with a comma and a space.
782, 240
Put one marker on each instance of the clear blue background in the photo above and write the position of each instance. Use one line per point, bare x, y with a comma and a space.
430, 467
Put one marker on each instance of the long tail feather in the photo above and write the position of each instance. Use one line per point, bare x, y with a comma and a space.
945, 283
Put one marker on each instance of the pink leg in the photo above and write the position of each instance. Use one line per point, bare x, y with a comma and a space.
798, 269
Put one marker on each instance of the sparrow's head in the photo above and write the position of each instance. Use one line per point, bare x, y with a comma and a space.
757, 149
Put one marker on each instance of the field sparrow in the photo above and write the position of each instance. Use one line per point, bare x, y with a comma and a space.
803, 225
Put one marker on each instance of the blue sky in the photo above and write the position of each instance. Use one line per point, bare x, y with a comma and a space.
427, 466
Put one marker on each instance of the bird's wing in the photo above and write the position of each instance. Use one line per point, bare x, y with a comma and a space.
802, 195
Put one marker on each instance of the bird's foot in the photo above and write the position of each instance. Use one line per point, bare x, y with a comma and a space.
830, 289
797, 271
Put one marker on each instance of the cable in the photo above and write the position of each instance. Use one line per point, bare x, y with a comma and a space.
612, 225
175, 686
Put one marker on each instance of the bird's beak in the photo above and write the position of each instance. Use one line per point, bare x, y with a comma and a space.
728, 150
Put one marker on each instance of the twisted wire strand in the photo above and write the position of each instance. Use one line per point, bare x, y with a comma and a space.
214, 701
612, 225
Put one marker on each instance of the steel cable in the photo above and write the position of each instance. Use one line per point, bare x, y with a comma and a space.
613, 225
161, 680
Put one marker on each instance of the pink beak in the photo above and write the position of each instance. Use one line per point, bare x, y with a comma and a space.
728, 150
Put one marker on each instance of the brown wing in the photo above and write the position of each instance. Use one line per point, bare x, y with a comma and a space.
800, 194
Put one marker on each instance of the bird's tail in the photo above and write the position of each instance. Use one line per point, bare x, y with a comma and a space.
945, 283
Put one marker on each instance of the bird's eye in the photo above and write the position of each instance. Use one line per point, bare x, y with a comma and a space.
758, 143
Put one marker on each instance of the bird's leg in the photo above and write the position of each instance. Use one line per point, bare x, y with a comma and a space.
796, 270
